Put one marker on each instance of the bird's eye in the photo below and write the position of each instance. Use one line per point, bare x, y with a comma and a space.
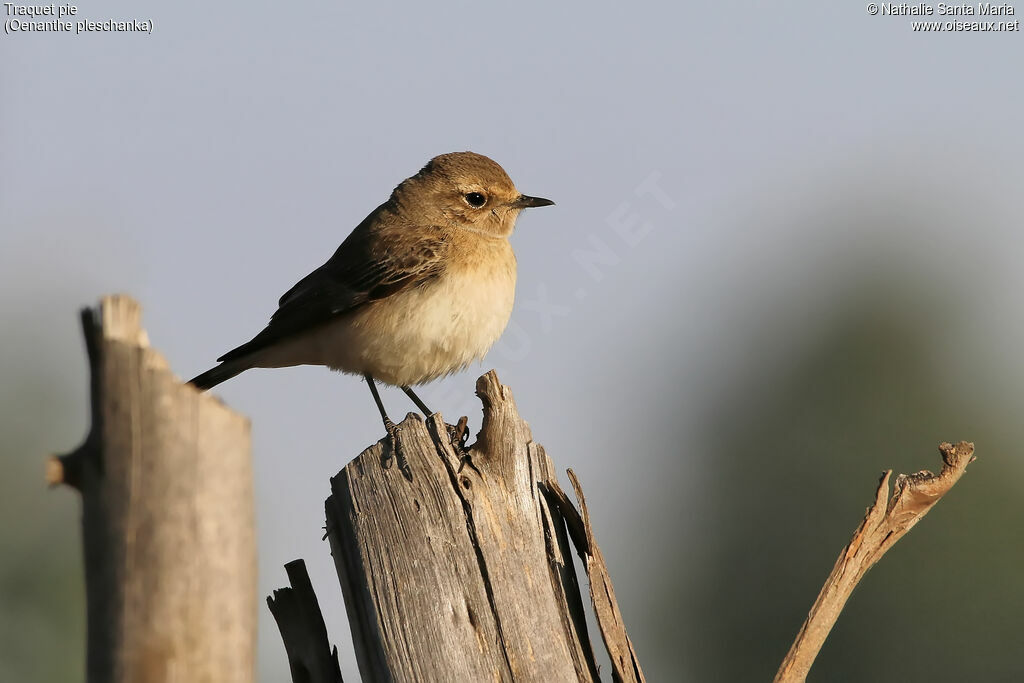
475, 199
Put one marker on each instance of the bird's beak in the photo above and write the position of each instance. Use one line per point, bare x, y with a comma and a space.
525, 202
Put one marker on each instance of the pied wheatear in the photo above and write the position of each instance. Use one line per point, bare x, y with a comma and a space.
420, 289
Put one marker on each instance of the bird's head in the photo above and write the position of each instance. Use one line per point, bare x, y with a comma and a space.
464, 190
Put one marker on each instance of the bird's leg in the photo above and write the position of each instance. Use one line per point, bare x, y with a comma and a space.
457, 434
460, 435
427, 412
392, 430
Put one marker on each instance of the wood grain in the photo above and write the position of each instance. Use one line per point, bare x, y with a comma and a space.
167, 517
464, 573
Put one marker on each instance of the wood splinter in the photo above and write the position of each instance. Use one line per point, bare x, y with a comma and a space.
298, 616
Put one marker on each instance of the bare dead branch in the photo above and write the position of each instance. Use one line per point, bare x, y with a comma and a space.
625, 664
884, 524
303, 631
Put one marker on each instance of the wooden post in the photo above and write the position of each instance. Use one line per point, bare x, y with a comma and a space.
167, 517
465, 572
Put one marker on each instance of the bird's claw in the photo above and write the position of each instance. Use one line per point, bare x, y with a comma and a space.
397, 450
459, 435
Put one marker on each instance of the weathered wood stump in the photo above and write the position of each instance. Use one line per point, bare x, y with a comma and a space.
167, 517
465, 573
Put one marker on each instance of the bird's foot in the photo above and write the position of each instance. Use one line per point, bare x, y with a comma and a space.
397, 450
459, 435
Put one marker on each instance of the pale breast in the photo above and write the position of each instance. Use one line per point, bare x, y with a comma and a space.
422, 333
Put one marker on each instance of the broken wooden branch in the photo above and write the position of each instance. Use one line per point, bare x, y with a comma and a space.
884, 524
298, 616
625, 665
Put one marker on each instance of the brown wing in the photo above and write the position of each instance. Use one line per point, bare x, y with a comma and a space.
380, 258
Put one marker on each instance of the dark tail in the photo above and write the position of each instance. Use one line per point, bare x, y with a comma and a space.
221, 373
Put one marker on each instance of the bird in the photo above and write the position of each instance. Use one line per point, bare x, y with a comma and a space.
421, 288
